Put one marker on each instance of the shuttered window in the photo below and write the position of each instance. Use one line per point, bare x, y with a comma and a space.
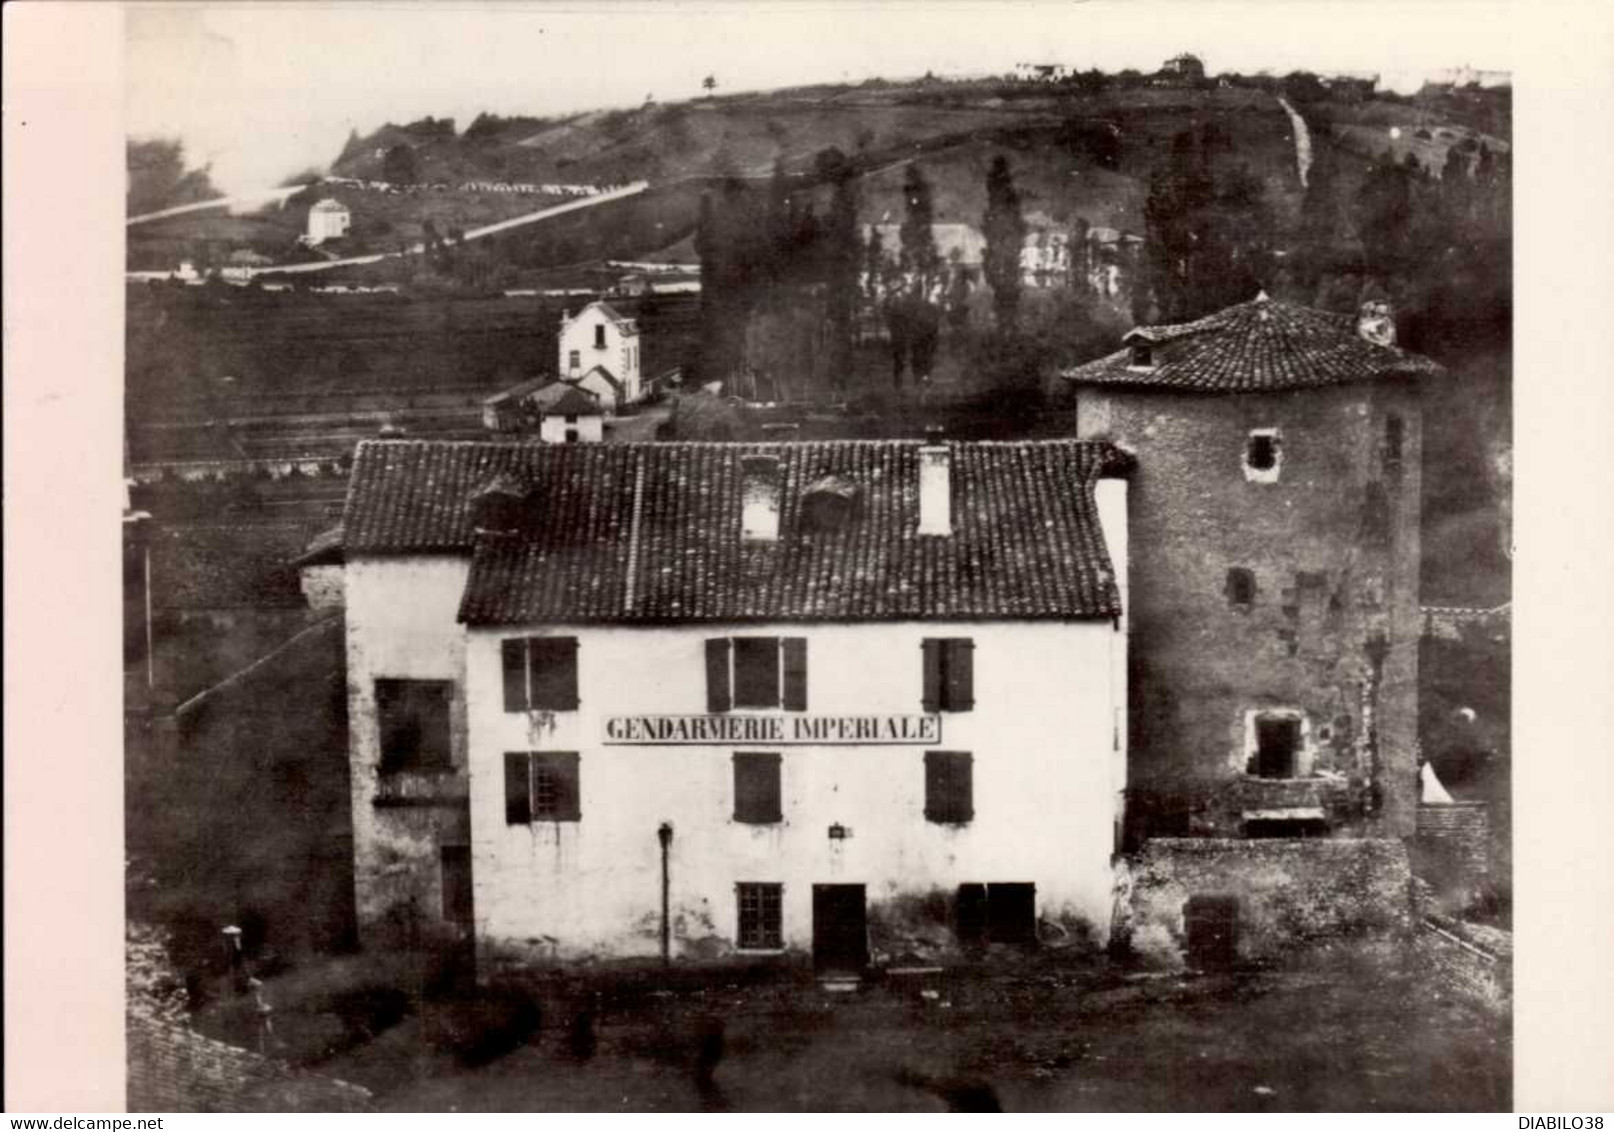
949, 674
542, 786
949, 787
756, 789
412, 717
756, 672
540, 673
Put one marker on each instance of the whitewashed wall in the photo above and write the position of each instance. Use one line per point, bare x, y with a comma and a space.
1046, 751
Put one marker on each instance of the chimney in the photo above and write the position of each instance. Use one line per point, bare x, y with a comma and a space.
935, 486
1375, 320
759, 513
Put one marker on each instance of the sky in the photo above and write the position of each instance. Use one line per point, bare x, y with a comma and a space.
265, 90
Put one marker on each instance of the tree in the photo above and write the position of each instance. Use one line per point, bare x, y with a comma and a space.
709, 83
398, 165
1005, 232
1208, 234
840, 275
918, 258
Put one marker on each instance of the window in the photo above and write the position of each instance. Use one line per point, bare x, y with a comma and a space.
1395, 440
760, 916
413, 719
540, 673
571, 436
599, 336
756, 672
1142, 355
756, 789
949, 673
1261, 455
574, 359
1240, 588
541, 786
1278, 740
949, 787
456, 883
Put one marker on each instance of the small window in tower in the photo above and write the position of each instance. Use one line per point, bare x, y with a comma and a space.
1240, 588
1263, 454
1275, 744
1394, 443
599, 337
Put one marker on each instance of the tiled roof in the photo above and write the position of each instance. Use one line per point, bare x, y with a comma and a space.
651, 532
573, 402
1254, 347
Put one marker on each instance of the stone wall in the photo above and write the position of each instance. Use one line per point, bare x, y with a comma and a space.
1292, 591
174, 1069
1288, 891
1471, 962
1453, 844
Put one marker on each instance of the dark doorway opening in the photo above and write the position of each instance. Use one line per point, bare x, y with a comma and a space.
1212, 925
996, 913
1277, 746
1285, 828
840, 927
456, 860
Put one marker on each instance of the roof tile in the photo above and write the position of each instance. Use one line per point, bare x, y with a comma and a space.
651, 532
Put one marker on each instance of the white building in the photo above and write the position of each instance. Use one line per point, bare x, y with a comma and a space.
841, 699
328, 219
574, 417
599, 338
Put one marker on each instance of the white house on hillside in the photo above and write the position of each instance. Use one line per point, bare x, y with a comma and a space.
599, 338
832, 700
328, 219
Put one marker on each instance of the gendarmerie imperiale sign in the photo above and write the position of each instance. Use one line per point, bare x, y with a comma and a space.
819, 730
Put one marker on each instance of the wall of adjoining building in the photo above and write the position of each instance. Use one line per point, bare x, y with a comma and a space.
1047, 756
401, 624
1452, 847
1332, 548
1288, 891
589, 429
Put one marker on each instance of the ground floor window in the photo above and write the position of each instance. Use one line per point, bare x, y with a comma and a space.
761, 916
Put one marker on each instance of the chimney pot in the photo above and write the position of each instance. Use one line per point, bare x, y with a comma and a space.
935, 488
759, 512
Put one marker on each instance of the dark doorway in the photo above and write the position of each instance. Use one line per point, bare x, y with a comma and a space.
1277, 745
971, 914
996, 913
840, 927
1011, 913
1212, 924
457, 884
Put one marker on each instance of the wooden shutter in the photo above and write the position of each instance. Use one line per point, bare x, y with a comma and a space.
960, 673
949, 789
717, 674
517, 789
930, 697
513, 653
569, 783
795, 661
554, 673
756, 788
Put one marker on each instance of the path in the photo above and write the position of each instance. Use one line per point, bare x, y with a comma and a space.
257, 197
1302, 139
